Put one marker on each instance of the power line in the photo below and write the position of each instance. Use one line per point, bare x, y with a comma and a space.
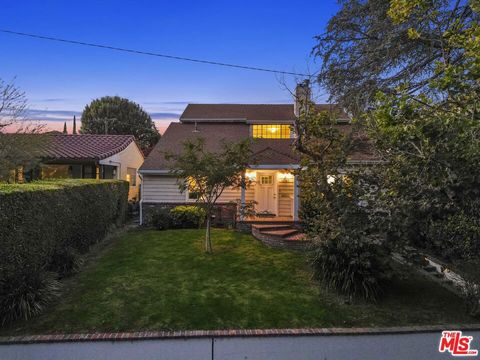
140, 52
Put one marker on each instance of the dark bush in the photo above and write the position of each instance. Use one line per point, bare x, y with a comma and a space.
29, 296
66, 261
43, 228
354, 268
161, 219
187, 216
456, 237
349, 254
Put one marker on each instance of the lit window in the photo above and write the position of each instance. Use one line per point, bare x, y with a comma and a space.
132, 176
266, 180
192, 189
271, 131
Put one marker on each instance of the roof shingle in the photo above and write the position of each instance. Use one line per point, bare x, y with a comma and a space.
85, 147
247, 112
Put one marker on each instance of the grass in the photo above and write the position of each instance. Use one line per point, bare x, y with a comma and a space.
164, 281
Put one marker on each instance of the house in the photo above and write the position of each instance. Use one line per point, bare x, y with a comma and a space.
274, 188
91, 156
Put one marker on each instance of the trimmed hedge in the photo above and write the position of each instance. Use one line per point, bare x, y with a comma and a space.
44, 227
187, 216
178, 217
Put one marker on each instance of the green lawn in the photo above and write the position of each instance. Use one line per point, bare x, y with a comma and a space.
164, 281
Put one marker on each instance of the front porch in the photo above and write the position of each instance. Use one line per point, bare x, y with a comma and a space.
274, 193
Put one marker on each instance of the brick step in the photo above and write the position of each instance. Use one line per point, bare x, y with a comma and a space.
264, 227
284, 233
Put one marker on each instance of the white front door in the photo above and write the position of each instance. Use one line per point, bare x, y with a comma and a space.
265, 193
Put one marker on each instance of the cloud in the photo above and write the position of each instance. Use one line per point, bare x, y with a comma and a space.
63, 115
164, 115
165, 102
51, 115
54, 119
53, 100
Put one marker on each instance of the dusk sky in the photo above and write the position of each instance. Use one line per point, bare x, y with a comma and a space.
60, 79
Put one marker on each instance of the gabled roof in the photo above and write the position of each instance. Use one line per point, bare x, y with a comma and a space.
88, 147
217, 123
275, 155
247, 112
265, 151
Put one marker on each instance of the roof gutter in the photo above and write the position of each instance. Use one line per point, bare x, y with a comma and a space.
155, 172
274, 167
140, 213
187, 120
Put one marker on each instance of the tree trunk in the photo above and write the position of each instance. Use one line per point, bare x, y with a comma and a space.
208, 241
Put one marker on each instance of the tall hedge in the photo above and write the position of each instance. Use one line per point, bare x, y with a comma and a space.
43, 229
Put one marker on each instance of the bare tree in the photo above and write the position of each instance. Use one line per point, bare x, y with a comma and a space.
20, 140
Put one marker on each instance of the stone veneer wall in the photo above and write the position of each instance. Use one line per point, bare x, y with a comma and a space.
225, 213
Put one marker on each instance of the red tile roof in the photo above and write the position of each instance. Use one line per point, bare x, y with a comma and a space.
89, 147
247, 112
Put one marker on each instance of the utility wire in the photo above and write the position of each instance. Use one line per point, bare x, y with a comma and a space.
132, 51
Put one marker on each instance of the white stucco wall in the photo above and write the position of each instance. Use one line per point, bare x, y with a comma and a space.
130, 157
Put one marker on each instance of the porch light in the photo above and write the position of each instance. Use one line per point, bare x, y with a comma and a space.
251, 175
285, 177
128, 177
330, 179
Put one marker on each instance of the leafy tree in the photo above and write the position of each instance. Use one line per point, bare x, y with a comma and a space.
208, 173
116, 115
20, 142
432, 144
347, 253
376, 45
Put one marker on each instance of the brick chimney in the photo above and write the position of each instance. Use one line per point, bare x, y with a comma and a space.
302, 96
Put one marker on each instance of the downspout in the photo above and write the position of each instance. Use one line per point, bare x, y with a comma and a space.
141, 198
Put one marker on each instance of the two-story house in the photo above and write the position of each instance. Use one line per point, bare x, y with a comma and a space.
274, 186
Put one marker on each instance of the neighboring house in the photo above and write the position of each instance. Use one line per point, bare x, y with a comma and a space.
91, 157
274, 186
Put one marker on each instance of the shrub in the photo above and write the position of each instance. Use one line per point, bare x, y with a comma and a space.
44, 227
471, 294
457, 237
187, 216
161, 219
349, 254
28, 296
66, 261
354, 268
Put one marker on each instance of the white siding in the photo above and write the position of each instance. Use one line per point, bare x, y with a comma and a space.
161, 188
229, 195
285, 200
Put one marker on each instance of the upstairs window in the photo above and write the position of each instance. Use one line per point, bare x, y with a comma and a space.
272, 131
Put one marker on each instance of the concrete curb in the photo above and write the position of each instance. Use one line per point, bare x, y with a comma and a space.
159, 335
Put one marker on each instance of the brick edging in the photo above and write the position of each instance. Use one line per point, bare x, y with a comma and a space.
165, 335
